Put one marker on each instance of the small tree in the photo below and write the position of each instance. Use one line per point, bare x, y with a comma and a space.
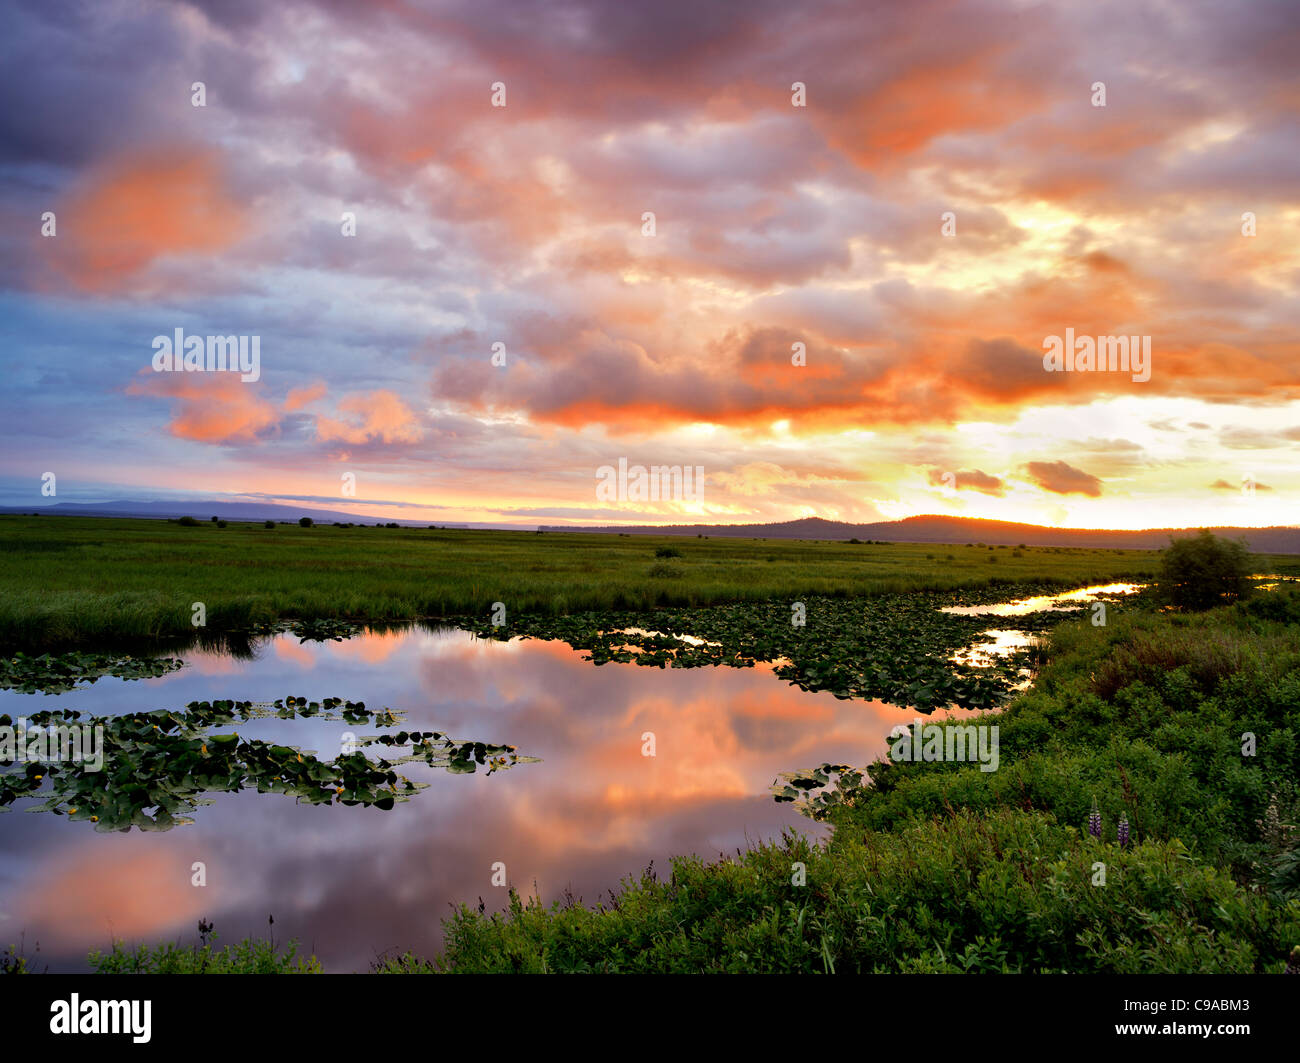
304, 522
1202, 571
269, 524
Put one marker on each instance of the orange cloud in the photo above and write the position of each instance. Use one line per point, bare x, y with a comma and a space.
209, 407
1063, 479
381, 417
138, 209
300, 397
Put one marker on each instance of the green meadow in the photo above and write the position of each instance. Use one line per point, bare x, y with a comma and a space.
70, 581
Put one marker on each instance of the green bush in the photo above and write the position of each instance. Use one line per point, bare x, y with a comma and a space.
188, 522
1204, 570
305, 522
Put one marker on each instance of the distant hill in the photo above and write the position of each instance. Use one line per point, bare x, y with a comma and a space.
249, 511
939, 529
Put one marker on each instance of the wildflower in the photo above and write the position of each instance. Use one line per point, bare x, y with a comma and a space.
1123, 831
1094, 820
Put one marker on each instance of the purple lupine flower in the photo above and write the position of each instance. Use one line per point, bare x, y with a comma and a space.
1123, 831
1094, 820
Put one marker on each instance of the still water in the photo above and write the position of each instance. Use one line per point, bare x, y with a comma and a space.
350, 882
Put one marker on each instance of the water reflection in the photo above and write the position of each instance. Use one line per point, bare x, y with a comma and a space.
352, 882
1046, 603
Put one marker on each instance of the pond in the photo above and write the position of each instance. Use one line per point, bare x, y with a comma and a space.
352, 882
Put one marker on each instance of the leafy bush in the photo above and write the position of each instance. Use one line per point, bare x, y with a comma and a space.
188, 522
667, 551
269, 524
1282, 606
305, 522
1204, 570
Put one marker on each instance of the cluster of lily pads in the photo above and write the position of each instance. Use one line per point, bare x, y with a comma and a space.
895, 648
57, 673
813, 792
158, 765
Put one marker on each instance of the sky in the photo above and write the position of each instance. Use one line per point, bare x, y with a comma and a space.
818, 251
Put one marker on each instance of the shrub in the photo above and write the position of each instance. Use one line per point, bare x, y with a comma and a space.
1204, 571
221, 524
188, 522
305, 522
668, 551
269, 524
1282, 606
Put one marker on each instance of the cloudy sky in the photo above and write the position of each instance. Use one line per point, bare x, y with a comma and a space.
948, 195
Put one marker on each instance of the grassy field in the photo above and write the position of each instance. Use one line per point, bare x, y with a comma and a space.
70, 580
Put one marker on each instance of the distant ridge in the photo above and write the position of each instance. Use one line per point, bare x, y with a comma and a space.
940, 529
202, 510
